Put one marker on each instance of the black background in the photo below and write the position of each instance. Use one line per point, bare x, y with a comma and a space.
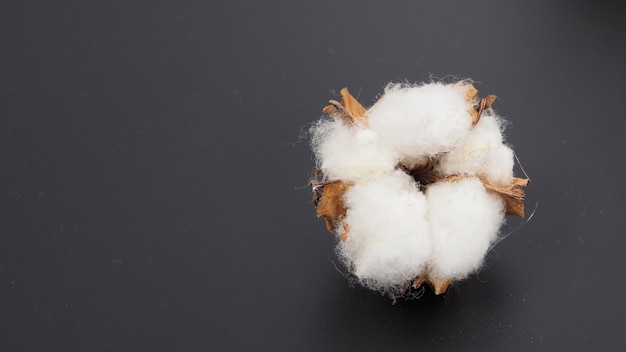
154, 169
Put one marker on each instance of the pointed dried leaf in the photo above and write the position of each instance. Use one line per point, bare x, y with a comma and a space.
419, 281
489, 100
471, 93
353, 107
330, 205
485, 103
349, 110
439, 286
331, 110
477, 106
512, 194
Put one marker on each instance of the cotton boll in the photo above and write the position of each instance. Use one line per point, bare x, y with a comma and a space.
349, 153
421, 121
388, 241
374, 164
482, 153
464, 220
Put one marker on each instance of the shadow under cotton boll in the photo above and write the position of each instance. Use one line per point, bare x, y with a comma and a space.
353, 318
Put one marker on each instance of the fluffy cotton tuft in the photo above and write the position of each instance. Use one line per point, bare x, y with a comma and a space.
464, 220
388, 241
421, 121
482, 153
416, 205
348, 153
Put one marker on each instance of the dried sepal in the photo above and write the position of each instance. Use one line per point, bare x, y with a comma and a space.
477, 105
483, 104
439, 285
328, 197
471, 93
349, 110
512, 194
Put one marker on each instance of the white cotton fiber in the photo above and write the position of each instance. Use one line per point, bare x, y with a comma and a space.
421, 121
348, 153
388, 241
482, 153
464, 220
413, 206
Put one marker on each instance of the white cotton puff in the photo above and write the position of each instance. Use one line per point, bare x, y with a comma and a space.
499, 165
348, 152
388, 242
464, 220
482, 153
421, 121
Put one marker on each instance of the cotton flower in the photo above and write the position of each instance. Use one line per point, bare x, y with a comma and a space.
415, 187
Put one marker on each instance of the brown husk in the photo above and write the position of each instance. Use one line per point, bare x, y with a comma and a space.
478, 106
439, 286
330, 202
349, 110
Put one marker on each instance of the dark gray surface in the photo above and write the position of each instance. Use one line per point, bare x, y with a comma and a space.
152, 196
